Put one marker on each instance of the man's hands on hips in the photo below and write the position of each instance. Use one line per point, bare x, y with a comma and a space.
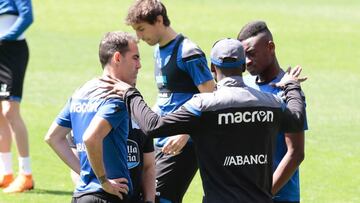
116, 187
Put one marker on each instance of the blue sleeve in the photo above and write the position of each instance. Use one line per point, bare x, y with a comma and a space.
114, 111
197, 68
23, 21
64, 119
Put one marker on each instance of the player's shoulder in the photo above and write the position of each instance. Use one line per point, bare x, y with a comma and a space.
87, 90
190, 50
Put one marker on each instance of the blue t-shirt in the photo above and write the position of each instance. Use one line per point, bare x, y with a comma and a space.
77, 114
185, 62
20, 8
291, 190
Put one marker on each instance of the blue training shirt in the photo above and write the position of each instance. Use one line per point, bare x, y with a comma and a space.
20, 8
291, 190
190, 65
82, 107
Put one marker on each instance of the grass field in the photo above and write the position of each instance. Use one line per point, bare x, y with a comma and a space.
321, 35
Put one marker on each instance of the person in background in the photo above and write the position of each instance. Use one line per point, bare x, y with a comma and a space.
180, 72
15, 17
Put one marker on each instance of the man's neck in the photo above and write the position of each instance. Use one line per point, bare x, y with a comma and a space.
108, 72
269, 74
167, 35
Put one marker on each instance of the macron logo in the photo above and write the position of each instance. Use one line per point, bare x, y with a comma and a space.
83, 107
245, 117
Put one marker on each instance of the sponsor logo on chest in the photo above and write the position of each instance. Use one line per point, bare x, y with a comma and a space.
133, 154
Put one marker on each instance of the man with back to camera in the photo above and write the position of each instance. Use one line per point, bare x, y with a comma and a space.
233, 129
264, 69
100, 127
180, 72
15, 18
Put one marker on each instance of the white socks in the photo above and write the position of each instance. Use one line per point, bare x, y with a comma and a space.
6, 163
24, 165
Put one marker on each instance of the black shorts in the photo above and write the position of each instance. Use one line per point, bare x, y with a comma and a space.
174, 173
98, 197
14, 57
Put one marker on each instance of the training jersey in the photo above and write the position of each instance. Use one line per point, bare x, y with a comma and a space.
15, 17
82, 107
291, 190
233, 131
137, 144
191, 60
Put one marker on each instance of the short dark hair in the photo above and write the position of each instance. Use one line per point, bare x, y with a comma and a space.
252, 29
147, 11
113, 42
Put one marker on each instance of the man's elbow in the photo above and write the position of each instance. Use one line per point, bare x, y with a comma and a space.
298, 157
90, 140
299, 121
49, 139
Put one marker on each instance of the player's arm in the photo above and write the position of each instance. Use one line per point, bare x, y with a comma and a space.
291, 161
93, 139
148, 178
207, 86
182, 121
199, 71
293, 116
196, 66
23, 21
56, 138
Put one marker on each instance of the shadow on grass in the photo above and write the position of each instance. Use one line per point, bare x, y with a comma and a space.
51, 192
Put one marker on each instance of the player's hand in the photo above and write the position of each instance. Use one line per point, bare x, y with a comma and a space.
291, 74
116, 187
175, 144
116, 87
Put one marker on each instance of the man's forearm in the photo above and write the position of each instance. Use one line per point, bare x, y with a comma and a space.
94, 150
148, 182
62, 149
179, 122
56, 138
295, 111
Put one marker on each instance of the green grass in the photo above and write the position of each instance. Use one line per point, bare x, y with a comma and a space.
321, 35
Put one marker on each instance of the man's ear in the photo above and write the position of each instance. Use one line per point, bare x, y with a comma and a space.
117, 57
160, 19
271, 47
213, 71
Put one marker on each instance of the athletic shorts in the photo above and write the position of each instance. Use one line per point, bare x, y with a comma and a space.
274, 201
174, 173
99, 197
14, 57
